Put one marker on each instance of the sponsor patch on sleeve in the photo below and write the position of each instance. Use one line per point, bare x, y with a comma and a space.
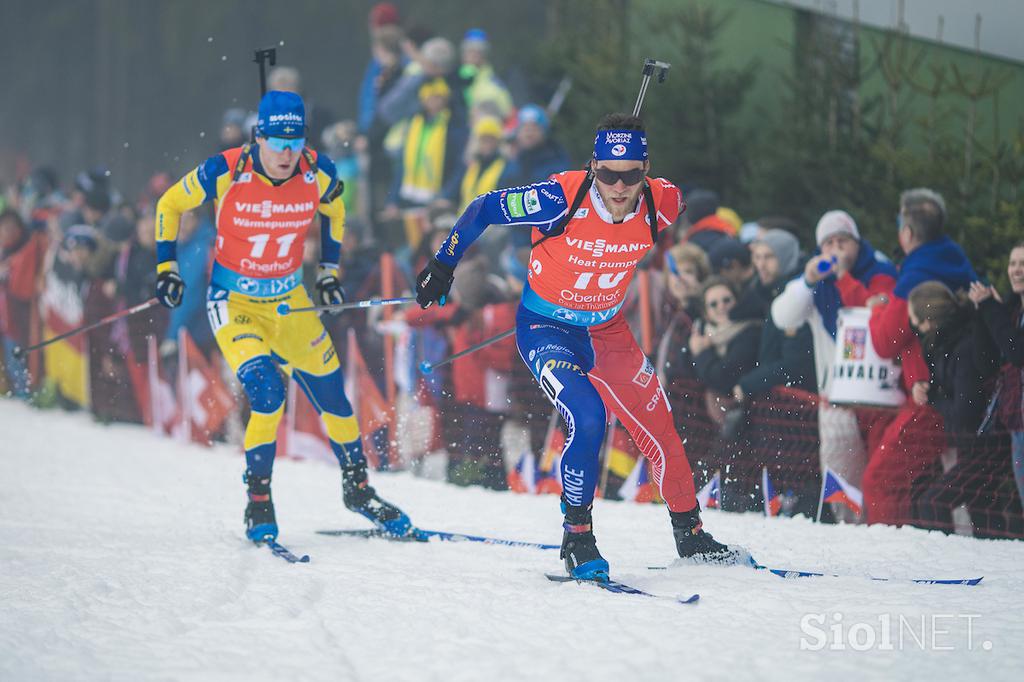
514, 201
531, 201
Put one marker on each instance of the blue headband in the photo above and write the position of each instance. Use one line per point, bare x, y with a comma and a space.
612, 145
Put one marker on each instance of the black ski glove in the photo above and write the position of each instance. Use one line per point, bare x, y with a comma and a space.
433, 283
328, 288
170, 288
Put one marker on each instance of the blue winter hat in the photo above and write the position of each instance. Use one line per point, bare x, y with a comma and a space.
80, 235
531, 113
281, 114
475, 35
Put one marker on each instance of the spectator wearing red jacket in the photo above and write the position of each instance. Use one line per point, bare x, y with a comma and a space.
21, 256
914, 439
479, 381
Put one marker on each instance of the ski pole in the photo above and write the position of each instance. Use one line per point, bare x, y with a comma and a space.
650, 66
262, 57
285, 309
558, 98
19, 351
427, 367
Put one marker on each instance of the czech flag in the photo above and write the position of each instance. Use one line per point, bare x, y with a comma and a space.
710, 496
523, 479
637, 486
550, 482
834, 488
772, 500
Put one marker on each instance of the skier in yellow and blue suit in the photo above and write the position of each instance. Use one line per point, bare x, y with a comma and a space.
266, 196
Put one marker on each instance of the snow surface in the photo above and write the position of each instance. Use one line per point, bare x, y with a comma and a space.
122, 557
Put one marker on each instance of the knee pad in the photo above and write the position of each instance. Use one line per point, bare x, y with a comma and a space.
262, 383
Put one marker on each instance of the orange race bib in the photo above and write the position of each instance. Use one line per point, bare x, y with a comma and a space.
261, 228
586, 270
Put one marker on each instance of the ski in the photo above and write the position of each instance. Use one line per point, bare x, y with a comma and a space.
415, 536
790, 573
443, 536
619, 588
283, 552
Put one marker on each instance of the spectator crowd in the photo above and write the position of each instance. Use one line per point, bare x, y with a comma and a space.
746, 326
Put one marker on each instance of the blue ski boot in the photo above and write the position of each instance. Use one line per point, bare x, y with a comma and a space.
260, 522
696, 545
583, 560
360, 497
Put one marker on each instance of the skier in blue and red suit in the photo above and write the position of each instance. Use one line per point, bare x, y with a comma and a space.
590, 229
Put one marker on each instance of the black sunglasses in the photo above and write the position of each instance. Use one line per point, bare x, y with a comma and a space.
630, 177
722, 301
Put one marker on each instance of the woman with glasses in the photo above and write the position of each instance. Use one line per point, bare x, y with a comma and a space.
266, 196
591, 229
723, 349
686, 269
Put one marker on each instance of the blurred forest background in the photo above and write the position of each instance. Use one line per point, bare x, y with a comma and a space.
783, 111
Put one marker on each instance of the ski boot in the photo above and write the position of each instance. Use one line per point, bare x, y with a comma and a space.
360, 497
697, 546
260, 522
583, 560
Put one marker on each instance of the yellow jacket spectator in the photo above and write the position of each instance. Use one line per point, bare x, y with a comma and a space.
431, 151
485, 165
480, 85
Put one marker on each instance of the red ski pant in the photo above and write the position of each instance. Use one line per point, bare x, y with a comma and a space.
590, 371
908, 447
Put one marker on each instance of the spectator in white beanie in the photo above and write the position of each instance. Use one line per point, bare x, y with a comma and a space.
845, 271
835, 222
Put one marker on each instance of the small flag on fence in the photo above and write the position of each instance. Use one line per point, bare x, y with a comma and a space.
550, 482
834, 488
710, 496
209, 401
637, 486
523, 479
772, 500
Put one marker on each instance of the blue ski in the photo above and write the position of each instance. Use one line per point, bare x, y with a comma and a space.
283, 552
444, 536
416, 536
789, 573
619, 588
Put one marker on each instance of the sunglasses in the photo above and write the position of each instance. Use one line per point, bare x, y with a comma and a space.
279, 144
634, 176
720, 302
